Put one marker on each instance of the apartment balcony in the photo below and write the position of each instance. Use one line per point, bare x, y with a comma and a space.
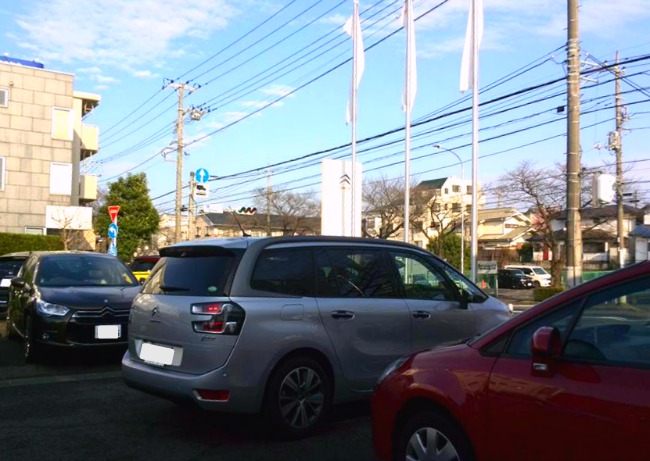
89, 140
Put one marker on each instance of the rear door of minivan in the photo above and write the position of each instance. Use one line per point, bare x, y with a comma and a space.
164, 329
365, 318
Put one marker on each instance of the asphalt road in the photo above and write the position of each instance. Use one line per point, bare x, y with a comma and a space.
78, 408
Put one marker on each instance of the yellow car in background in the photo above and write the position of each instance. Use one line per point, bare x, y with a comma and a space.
142, 265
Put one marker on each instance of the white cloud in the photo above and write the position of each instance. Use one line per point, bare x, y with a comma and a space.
145, 74
104, 79
119, 33
261, 104
90, 70
279, 90
101, 87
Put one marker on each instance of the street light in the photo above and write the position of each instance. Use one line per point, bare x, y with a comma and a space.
462, 208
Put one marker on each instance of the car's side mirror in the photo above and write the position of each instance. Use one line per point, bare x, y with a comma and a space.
546, 347
18, 282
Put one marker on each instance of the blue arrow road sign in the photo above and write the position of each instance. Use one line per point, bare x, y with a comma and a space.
112, 230
202, 175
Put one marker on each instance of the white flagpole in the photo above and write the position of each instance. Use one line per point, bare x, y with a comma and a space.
353, 28
477, 26
353, 180
409, 97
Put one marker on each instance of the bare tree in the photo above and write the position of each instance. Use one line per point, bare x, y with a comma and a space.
543, 192
292, 209
384, 201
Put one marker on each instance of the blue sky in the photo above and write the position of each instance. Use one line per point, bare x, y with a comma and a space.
272, 74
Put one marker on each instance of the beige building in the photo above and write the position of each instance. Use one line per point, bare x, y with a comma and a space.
42, 142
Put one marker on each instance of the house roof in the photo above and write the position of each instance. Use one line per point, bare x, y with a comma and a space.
499, 214
432, 183
591, 235
609, 211
642, 230
509, 237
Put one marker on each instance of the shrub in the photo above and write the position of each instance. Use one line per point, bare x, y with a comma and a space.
542, 293
10, 243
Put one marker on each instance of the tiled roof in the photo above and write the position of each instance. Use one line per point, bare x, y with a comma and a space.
641, 231
432, 183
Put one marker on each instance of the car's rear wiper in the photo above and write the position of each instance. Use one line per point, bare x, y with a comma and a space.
172, 288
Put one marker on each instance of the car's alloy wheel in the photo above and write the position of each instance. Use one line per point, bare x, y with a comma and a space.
431, 436
298, 397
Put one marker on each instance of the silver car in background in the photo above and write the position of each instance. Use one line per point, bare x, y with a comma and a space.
289, 326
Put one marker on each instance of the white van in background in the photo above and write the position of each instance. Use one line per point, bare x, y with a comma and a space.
540, 277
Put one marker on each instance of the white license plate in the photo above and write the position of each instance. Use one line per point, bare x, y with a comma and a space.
157, 354
108, 331
5, 282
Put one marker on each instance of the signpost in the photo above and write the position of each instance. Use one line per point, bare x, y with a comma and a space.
202, 176
113, 229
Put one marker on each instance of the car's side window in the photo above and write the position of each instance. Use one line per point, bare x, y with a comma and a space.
614, 326
354, 273
561, 318
467, 288
418, 279
285, 271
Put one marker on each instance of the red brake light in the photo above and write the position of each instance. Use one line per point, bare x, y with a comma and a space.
225, 318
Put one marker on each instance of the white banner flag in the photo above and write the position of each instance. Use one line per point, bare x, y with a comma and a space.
467, 64
411, 85
353, 28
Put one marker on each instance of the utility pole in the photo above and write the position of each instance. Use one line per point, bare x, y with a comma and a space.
190, 208
574, 230
181, 88
616, 144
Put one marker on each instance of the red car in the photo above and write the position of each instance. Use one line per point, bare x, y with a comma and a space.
566, 380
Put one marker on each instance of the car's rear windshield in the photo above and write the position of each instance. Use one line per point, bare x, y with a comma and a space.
193, 272
10, 266
143, 265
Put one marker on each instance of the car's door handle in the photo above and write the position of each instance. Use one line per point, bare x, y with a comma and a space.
342, 315
421, 315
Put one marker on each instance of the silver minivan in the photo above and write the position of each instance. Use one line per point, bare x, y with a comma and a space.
289, 326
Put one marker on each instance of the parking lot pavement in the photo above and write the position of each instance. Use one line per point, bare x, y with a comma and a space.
520, 299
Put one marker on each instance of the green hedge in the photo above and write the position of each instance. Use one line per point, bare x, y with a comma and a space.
10, 243
542, 293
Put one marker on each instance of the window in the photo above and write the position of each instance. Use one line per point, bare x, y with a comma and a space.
469, 189
613, 326
470, 291
455, 207
4, 97
593, 247
560, 318
2, 173
289, 272
418, 280
192, 272
62, 124
455, 188
354, 273
446, 191
60, 178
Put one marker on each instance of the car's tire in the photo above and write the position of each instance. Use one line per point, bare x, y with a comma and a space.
430, 435
10, 332
298, 397
33, 351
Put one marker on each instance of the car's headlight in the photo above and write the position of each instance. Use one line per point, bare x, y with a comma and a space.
391, 368
51, 309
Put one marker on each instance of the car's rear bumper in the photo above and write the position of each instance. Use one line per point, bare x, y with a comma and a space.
166, 383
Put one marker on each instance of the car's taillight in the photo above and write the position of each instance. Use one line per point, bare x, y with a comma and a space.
225, 318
